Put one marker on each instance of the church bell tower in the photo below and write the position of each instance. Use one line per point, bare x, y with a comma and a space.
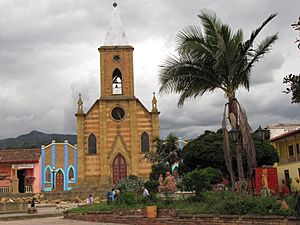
116, 133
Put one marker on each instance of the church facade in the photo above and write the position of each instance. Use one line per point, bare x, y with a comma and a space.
114, 135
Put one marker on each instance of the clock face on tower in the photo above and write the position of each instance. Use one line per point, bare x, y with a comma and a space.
118, 113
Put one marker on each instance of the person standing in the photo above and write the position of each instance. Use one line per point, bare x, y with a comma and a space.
113, 194
109, 197
145, 192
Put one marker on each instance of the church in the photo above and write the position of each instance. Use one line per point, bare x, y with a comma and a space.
116, 133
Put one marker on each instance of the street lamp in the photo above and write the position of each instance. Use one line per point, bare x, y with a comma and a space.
262, 134
53, 176
234, 134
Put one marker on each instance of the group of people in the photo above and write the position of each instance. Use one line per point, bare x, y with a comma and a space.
165, 185
112, 195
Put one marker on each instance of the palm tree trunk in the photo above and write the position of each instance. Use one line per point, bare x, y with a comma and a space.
233, 118
239, 159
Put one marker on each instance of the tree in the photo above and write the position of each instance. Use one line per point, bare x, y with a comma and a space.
204, 151
207, 151
266, 154
217, 58
167, 153
293, 80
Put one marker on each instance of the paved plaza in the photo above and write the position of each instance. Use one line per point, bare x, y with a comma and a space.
52, 221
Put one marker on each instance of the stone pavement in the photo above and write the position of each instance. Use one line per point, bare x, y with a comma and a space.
42, 212
53, 221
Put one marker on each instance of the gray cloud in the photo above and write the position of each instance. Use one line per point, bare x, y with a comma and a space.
48, 54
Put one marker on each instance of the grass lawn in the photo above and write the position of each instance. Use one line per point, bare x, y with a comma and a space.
218, 203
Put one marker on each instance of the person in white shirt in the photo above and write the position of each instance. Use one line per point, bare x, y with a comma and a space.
145, 192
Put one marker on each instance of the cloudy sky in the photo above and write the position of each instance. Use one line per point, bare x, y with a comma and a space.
48, 54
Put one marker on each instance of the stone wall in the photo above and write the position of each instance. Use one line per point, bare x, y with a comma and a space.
53, 197
170, 217
8, 207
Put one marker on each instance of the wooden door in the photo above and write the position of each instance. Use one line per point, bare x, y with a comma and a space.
59, 181
119, 169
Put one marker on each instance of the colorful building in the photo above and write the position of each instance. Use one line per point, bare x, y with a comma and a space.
114, 135
58, 166
20, 170
288, 168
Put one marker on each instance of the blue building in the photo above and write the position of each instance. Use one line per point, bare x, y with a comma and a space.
59, 166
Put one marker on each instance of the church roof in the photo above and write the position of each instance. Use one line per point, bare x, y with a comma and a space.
115, 35
20, 155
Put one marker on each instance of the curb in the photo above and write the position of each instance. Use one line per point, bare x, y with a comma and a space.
30, 216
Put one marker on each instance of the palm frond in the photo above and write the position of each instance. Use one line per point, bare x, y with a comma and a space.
211, 25
227, 151
187, 76
249, 43
263, 48
247, 140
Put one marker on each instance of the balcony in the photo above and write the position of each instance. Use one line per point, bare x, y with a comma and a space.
28, 189
5, 189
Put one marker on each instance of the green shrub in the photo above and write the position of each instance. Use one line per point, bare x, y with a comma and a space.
131, 184
150, 199
152, 186
200, 180
129, 198
214, 175
197, 181
158, 169
231, 203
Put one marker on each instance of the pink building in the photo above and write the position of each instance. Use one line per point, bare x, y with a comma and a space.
20, 170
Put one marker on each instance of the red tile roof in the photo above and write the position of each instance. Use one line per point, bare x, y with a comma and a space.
19, 156
286, 134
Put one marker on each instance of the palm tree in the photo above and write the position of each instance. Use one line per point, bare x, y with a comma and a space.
166, 152
216, 58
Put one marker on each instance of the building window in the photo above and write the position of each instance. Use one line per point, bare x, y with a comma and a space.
92, 150
291, 154
48, 175
291, 151
145, 142
298, 149
71, 174
299, 172
117, 82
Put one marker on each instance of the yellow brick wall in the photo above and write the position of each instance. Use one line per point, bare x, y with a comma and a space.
114, 137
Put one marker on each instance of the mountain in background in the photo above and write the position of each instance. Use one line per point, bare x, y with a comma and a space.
35, 139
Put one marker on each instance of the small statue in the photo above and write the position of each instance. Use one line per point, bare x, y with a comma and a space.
161, 182
168, 185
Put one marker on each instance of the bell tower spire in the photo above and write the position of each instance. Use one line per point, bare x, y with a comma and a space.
116, 61
115, 35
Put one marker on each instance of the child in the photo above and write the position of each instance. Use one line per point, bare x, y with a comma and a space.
90, 200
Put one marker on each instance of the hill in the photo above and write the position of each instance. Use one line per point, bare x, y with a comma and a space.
35, 139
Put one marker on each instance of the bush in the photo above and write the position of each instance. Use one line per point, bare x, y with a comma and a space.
129, 198
158, 169
152, 186
231, 203
131, 184
214, 175
200, 180
197, 181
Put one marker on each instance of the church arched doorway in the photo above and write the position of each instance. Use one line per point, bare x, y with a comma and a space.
59, 181
119, 169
